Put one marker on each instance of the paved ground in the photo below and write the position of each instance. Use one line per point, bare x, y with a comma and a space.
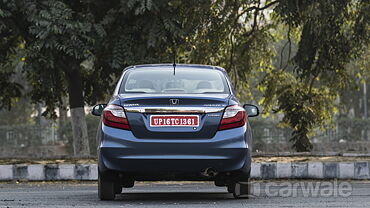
188, 194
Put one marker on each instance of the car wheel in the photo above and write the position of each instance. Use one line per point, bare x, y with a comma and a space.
106, 189
240, 190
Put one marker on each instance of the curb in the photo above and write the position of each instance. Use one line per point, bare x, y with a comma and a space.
309, 154
276, 170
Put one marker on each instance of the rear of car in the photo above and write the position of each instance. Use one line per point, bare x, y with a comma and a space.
173, 123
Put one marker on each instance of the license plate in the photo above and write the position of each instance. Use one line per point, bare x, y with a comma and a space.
174, 120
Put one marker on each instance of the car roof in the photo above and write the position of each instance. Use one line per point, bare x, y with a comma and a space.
177, 65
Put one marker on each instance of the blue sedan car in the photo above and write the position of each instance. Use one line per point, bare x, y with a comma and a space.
168, 122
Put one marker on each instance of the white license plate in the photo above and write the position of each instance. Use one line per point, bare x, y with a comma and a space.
174, 120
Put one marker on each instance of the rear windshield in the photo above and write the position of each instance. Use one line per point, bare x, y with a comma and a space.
165, 81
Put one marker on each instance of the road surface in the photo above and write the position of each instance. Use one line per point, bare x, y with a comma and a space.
188, 194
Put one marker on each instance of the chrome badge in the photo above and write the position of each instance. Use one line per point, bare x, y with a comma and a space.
174, 101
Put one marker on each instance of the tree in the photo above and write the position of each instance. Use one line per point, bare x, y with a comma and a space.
58, 39
9, 43
330, 34
21, 107
333, 33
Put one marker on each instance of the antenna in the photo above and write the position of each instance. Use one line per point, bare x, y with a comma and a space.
174, 61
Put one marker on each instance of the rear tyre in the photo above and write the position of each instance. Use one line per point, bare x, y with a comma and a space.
240, 189
106, 189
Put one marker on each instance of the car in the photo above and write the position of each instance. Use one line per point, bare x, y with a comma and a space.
169, 122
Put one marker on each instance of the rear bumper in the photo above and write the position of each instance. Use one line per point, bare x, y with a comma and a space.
227, 151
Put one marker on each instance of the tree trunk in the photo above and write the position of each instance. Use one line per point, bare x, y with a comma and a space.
76, 102
63, 111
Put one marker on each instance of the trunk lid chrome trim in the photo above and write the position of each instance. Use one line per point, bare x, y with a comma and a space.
176, 109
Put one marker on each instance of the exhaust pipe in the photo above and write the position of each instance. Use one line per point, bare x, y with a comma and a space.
209, 172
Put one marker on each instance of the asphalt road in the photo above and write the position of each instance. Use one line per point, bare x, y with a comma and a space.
188, 194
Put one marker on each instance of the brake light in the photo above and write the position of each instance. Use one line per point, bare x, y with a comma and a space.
114, 116
234, 116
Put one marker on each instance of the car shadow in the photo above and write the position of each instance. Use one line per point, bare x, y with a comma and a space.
173, 196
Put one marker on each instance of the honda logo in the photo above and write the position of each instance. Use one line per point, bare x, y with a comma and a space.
174, 101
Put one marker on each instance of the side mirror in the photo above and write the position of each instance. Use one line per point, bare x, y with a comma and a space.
98, 109
251, 110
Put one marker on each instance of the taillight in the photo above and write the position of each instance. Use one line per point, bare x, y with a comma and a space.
114, 116
234, 116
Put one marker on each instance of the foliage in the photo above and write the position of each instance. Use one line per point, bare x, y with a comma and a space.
10, 89
237, 36
20, 114
332, 34
303, 111
60, 36
79, 48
